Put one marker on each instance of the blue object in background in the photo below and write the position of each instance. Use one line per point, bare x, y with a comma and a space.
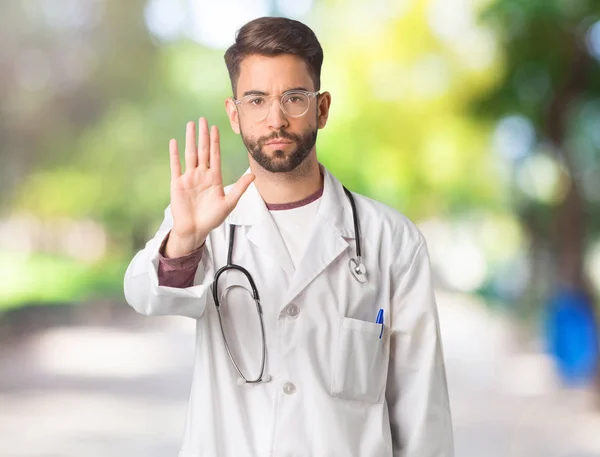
572, 336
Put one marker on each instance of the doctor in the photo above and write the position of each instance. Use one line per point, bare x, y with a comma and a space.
320, 337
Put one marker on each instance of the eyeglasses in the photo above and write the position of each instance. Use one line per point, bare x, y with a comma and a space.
294, 103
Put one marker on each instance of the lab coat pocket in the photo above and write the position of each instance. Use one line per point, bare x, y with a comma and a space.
360, 361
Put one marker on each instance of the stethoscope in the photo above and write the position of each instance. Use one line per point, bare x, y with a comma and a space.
356, 266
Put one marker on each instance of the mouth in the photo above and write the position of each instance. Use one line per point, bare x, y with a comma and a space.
278, 143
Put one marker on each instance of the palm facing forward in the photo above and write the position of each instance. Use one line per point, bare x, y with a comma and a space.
198, 201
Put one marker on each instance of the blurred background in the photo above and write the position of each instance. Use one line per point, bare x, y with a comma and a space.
478, 119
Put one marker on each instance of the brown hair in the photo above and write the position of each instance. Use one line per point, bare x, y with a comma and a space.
274, 36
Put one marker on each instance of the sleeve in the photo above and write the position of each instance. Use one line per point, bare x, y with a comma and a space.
144, 293
417, 392
177, 272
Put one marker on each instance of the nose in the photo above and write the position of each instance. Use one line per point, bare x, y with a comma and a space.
276, 118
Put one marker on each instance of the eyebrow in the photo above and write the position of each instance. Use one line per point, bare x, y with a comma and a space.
258, 92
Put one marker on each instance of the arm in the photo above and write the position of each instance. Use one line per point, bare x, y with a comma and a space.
144, 293
198, 206
417, 393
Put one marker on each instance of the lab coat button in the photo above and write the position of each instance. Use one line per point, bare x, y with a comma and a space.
292, 310
289, 388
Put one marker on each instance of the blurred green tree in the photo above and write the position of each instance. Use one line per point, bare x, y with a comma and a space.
92, 99
551, 79
61, 69
400, 129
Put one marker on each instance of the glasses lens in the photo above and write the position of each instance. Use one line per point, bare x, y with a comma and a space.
255, 108
295, 103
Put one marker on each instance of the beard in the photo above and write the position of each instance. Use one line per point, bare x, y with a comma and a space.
281, 161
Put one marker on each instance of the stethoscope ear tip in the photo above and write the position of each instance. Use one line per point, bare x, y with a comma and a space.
266, 378
241, 381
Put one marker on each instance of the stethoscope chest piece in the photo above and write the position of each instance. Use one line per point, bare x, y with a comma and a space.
358, 270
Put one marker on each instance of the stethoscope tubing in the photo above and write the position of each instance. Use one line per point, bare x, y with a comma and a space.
356, 268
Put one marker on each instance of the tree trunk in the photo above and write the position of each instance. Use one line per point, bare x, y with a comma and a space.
571, 221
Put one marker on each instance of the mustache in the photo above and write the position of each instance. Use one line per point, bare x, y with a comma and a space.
281, 135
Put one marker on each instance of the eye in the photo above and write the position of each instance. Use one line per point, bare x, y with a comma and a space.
294, 99
256, 101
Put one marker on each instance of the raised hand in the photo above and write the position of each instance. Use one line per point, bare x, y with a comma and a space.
198, 201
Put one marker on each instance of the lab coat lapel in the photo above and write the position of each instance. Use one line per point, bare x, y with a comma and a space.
332, 228
264, 234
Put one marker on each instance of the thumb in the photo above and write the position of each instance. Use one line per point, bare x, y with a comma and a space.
238, 189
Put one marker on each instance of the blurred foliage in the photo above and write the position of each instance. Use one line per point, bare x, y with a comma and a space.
52, 279
400, 130
91, 98
551, 80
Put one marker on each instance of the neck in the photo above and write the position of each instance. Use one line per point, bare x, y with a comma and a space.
278, 188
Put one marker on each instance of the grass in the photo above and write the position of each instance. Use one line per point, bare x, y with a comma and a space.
45, 279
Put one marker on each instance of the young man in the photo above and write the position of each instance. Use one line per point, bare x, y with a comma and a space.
323, 339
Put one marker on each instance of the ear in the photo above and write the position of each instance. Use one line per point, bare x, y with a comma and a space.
323, 104
233, 115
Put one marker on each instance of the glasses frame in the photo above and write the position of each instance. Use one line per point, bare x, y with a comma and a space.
309, 94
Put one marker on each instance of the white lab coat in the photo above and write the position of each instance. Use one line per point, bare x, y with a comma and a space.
337, 389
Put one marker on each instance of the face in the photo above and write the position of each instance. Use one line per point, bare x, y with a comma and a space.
278, 143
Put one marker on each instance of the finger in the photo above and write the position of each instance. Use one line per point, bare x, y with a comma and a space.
215, 152
174, 160
203, 143
238, 189
191, 157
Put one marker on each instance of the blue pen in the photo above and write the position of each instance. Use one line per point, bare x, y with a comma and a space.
380, 321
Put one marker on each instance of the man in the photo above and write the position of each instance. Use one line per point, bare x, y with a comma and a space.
309, 347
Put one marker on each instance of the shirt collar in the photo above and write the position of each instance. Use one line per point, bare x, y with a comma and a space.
334, 208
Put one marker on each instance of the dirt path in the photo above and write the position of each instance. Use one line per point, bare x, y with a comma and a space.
121, 390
